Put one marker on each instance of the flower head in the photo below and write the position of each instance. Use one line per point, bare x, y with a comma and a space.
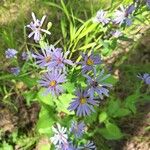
45, 58
60, 137
10, 53
52, 81
122, 15
145, 77
89, 146
82, 104
96, 84
36, 27
89, 61
101, 17
59, 60
15, 70
77, 128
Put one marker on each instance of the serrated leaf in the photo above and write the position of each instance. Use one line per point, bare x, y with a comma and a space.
63, 103
47, 99
45, 122
69, 87
111, 132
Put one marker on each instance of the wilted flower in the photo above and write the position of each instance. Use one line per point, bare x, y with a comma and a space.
101, 17
44, 59
59, 60
52, 81
10, 53
97, 85
89, 62
60, 137
25, 55
122, 15
77, 128
145, 77
35, 26
89, 146
116, 33
15, 70
82, 104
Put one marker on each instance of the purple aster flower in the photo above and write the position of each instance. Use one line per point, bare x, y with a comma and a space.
77, 128
59, 60
60, 137
15, 70
101, 17
130, 9
82, 104
89, 62
89, 146
72, 147
68, 146
10, 53
52, 81
145, 77
35, 26
44, 59
116, 33
96, 84
122, 16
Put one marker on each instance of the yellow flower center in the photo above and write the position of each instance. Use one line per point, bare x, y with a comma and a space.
89, 62
83, 100
48, 59
52, 83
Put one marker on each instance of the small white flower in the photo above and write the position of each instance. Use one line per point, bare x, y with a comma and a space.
35, 26
121, 16
60, 137
101, 17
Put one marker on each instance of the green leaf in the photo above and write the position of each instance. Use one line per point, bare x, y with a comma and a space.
30, 96
46, 99
122, 112
131, 100
30, 82
111, 132
87, 30
45, 122
69, 87
6, 146
113, 107
112, 80
63, 103
63, 28
103, 116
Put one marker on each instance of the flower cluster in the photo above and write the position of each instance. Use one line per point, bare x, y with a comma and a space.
84, 101
61, 139
54, 60
122, 16
9, 54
